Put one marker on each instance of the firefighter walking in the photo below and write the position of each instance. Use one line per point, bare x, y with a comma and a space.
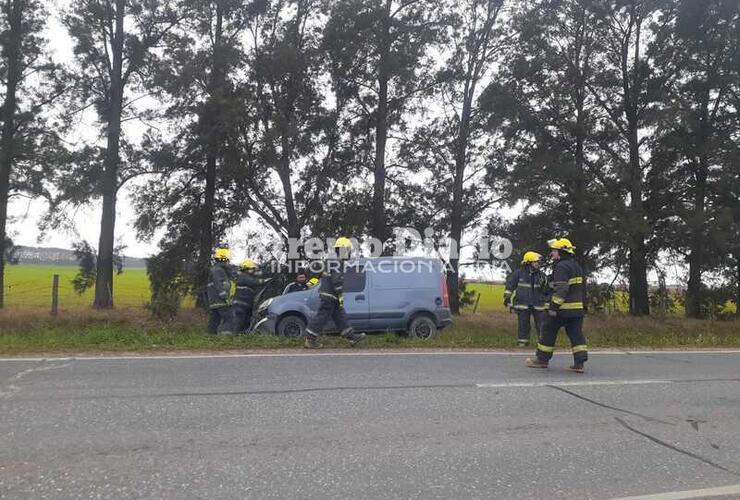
247, 283
220, 317
528, 286
331, 307
565, 309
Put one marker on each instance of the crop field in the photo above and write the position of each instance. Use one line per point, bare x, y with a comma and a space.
30, 286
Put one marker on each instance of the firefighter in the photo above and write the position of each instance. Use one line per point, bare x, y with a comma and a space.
247, 283
299, 284
220, 319
332, 299
528, 285
565, 309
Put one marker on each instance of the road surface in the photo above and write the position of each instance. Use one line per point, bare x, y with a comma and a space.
369, 425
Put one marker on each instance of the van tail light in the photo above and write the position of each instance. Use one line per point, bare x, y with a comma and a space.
445, 293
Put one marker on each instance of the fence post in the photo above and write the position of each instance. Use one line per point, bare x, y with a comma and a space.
54, 294
477, 299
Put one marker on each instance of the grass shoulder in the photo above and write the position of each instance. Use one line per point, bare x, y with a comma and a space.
32, 330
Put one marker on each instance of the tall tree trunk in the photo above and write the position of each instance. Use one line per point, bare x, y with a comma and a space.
212, 130
697, 244
293, 228
696, 255
580, 229
11, 52
456, 216
109, 181
206, 243
378, 223
638, 288
737, 284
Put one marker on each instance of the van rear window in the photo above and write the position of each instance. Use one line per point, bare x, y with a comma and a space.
404, 274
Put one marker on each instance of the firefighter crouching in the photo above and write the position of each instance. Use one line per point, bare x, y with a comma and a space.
220, 318
247, 283
332, 299
565, 308
528, 285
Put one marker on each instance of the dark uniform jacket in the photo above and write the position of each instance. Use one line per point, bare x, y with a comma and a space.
530, 285
219, 285
332, 281
295, 287
569, 288
247, 284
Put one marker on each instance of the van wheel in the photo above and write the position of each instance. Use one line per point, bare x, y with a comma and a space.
292, 327
422, 328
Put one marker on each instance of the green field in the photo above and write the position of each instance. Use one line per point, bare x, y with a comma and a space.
30, 286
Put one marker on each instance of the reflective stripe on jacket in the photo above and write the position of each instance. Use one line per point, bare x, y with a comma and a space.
569, 288
529, 288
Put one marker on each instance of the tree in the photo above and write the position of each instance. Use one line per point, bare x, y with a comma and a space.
626, 91
29, 87
115, 42
192, 193
452, 148
380, 63
284, 146
88, 266
700, 48
550, 158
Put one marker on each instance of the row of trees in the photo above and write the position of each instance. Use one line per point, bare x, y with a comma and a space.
615, 122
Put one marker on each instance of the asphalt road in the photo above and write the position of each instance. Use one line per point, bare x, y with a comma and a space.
369, 425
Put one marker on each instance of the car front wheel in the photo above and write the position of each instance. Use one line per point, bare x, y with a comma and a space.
422, 328
291, 327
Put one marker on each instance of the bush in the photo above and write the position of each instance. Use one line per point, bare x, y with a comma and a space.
599, 297
165, 303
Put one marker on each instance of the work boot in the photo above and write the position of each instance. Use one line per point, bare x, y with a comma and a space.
577, 367
536, 363
522, 343
354, 337
312, 342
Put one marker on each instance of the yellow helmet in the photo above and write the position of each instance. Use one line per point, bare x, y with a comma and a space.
530, 257
562, 244
222, 254
343, 242
313, 281
248, 264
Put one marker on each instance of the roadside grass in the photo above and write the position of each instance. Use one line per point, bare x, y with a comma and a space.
132, 330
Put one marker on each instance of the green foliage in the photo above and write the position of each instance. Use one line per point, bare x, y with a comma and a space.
88, 265
466, 297
11, 252
599, 297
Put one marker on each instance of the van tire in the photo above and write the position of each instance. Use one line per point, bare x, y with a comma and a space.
422, 328
291, 327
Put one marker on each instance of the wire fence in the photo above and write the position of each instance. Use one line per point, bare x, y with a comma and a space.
35, 288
